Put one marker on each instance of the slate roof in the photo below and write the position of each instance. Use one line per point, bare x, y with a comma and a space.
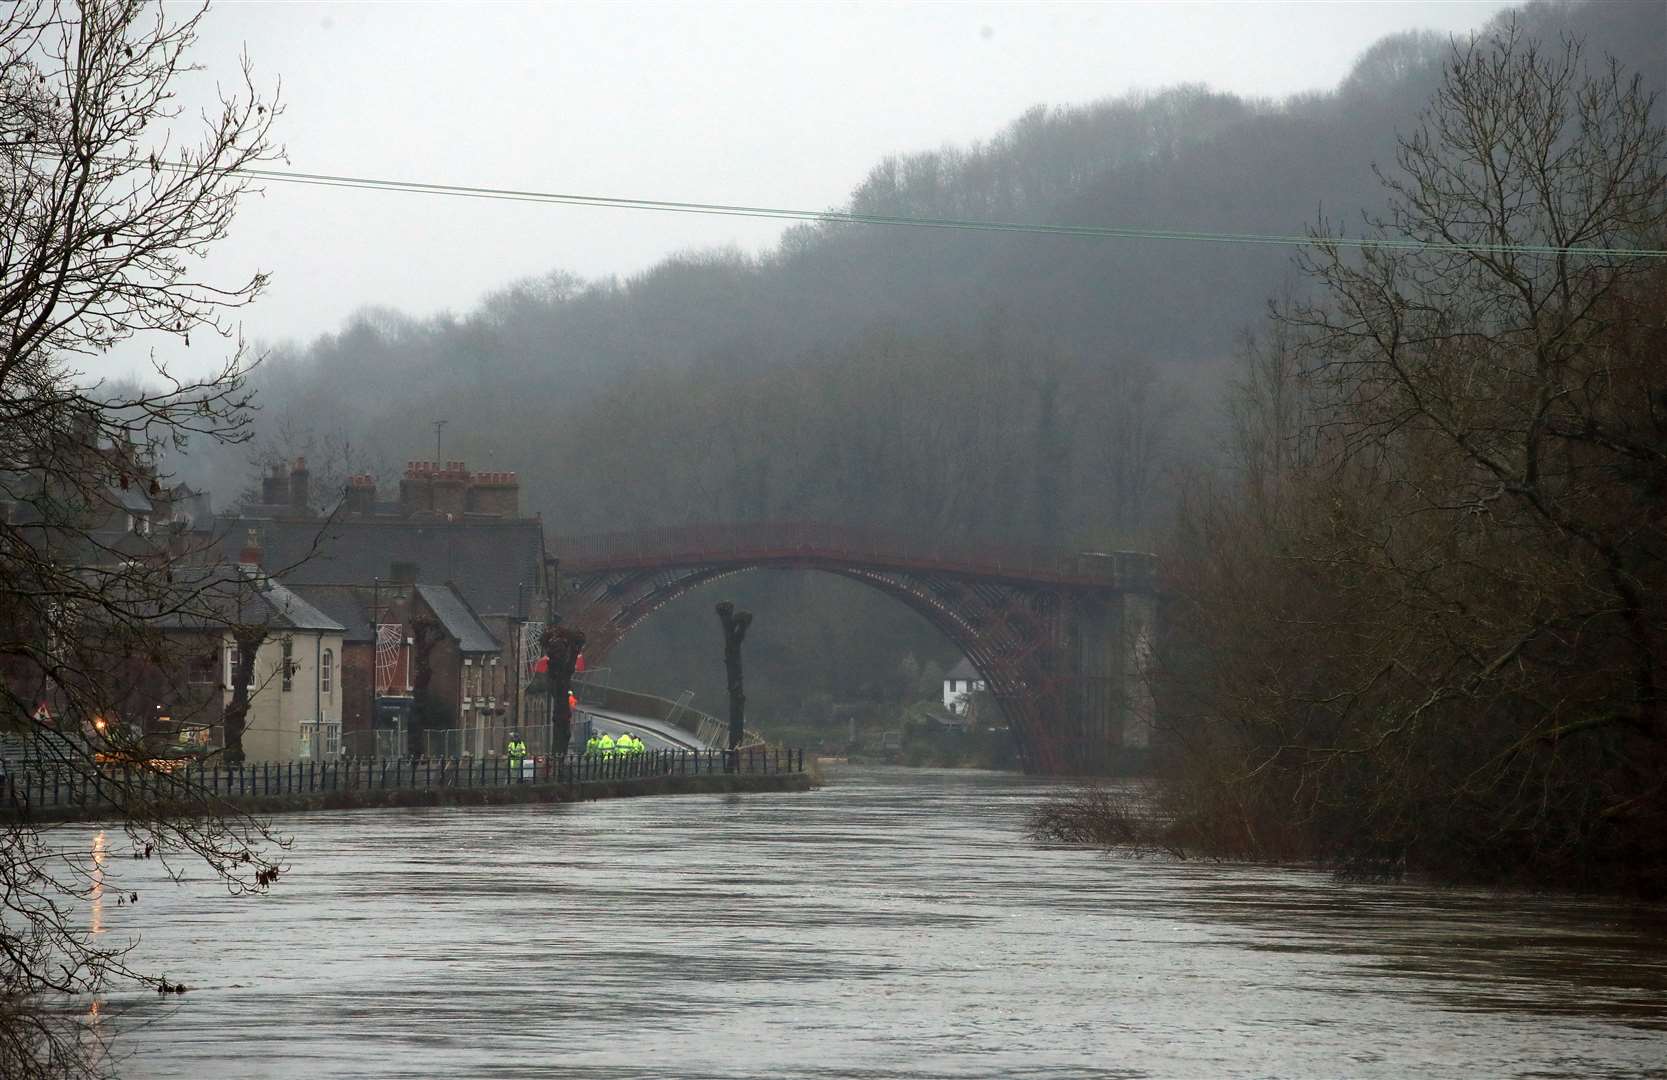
293, 612
129, 498
347, 604
459, 619
218, 596
485, 560
963, 670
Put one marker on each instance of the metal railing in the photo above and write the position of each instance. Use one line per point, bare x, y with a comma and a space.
706, 729
109, 788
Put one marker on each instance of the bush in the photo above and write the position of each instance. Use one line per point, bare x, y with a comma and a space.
1098, 814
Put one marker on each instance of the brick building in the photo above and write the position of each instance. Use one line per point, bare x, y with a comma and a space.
449, 529
469, 677
376, 664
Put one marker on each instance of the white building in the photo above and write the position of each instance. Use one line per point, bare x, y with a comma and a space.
960, 683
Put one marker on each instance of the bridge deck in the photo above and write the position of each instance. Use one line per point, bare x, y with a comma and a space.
657, 734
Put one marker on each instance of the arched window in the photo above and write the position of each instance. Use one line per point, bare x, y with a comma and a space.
326, 671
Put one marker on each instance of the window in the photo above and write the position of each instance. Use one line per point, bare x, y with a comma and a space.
233, 657
326, 671
320, 741
289, 664
199, 666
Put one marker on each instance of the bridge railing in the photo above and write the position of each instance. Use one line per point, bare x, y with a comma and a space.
704, 728
33, 790
775, 540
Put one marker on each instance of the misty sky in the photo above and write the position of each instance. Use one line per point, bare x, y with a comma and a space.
767, 104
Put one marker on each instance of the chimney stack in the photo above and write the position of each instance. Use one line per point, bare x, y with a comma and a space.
360, 497
298, 478
497, 493
449, 487
251, 554
274, 490
416, 488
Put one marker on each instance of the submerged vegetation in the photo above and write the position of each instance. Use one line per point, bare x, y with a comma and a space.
1100, 814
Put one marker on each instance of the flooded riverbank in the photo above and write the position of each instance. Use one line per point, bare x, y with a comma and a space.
890, 924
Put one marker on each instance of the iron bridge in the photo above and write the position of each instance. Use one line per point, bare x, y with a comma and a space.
1063, 640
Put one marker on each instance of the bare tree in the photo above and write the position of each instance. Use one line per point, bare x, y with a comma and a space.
106, 203
331, 458
1432, 607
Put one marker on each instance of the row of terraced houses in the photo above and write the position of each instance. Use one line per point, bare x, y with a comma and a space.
399, 617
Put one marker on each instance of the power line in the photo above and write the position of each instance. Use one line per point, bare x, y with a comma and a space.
1103, 232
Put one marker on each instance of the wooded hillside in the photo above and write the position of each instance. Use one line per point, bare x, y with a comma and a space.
990, 385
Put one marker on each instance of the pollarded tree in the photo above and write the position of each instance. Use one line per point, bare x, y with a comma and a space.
107, 202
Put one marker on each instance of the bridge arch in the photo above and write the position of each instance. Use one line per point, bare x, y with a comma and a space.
1054, 635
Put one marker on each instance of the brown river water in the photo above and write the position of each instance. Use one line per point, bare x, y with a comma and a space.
894, 923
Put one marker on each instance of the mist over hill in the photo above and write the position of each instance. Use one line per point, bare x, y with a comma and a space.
989, 385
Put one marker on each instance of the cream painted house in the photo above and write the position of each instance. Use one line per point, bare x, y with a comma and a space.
295, 698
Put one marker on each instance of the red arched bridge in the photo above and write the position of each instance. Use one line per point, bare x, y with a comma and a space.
1062, 639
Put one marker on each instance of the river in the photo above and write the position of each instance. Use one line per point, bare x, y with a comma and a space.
894, 923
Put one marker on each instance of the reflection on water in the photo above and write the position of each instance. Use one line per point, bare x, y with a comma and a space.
892, 924
95, 895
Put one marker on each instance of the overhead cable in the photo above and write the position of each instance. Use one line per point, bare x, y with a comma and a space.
838, 217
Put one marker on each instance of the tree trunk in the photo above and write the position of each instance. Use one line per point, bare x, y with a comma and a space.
426, 709
735, 625
562, 647
248, 639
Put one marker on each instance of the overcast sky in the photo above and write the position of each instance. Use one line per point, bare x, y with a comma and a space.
774, 104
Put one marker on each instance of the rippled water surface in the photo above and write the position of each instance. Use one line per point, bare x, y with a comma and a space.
891, 924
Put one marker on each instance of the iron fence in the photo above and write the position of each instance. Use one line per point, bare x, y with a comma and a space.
52, 788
